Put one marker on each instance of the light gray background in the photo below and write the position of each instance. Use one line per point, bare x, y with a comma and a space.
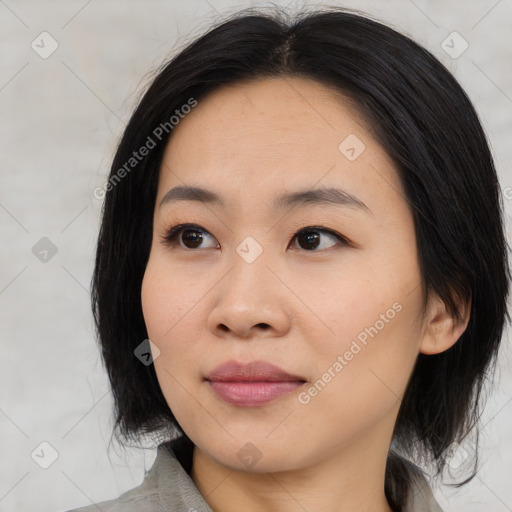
60, 120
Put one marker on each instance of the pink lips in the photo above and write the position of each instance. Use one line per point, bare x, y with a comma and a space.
251, 384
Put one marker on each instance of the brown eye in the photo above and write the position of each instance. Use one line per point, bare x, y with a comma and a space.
310, 238
187, 236
192, 237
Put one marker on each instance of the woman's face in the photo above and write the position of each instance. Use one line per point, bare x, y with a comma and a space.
325, 287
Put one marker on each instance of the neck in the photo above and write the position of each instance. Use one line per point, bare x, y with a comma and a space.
351, 478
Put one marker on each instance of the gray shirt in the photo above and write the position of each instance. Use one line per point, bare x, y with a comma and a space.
167, 487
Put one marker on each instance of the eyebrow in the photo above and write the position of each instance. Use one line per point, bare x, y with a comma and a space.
327, 196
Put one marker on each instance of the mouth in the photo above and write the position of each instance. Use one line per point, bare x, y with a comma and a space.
252, 384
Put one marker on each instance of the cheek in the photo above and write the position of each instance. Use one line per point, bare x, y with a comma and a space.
153, 299
171, 305
343, 308
169, 327
167, 298
360, 382
371, 330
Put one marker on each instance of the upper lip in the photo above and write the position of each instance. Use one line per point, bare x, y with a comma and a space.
254, 371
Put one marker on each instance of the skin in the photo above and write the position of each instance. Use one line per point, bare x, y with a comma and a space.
296, 307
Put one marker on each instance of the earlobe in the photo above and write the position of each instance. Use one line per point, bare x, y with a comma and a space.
441, 329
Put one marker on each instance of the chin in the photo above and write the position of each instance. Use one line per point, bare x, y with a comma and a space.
255, 455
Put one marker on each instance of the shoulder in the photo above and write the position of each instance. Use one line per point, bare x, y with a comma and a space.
142, 497
166, 486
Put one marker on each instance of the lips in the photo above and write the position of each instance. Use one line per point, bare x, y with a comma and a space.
252, 384
255, 371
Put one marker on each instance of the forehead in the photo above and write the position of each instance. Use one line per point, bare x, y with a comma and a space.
300, 111
267, 135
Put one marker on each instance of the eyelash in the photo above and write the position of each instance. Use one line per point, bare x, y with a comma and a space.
171, 237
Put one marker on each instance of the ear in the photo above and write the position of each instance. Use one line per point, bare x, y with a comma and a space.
442, 330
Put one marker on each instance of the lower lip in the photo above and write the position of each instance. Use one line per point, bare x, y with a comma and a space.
250, 394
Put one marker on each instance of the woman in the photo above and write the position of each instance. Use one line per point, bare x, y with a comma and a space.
301, 274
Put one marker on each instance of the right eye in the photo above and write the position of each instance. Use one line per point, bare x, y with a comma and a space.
187, 236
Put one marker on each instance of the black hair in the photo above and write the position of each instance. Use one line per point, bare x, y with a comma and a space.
427, 125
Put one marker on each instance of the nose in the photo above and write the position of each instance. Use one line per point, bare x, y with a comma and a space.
250, 301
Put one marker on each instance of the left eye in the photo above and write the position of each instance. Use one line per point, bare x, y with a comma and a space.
192, 236
310, 237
